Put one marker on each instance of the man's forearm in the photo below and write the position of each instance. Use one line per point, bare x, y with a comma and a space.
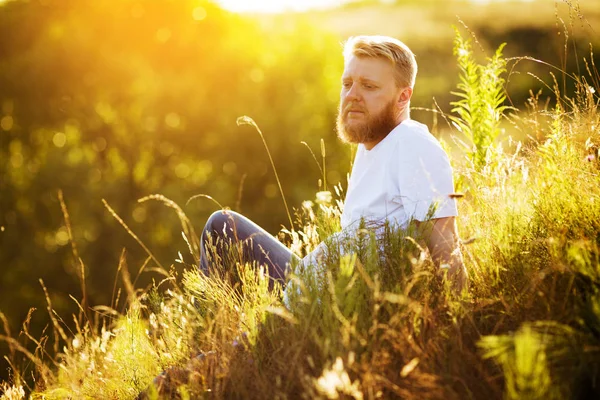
445, 251
451, 262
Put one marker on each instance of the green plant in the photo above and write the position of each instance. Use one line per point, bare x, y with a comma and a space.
480, 107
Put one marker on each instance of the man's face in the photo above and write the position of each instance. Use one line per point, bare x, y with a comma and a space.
370, 101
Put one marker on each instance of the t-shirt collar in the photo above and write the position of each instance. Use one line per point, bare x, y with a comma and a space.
379, 145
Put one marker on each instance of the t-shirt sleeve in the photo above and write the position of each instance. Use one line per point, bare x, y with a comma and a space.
425, 182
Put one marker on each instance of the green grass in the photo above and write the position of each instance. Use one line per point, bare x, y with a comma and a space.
528, 327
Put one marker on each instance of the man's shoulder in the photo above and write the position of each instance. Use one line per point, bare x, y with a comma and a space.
414, 138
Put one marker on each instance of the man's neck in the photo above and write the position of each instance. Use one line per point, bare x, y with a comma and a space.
370, 145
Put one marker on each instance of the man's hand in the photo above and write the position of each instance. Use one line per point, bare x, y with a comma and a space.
443, 246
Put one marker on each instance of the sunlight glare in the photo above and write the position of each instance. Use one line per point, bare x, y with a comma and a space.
276, 6
485, 2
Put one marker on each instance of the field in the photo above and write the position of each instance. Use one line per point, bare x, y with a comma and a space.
125, 119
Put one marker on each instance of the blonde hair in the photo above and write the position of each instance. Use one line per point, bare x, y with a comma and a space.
401, 57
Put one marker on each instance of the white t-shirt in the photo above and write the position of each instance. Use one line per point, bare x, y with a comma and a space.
397, 180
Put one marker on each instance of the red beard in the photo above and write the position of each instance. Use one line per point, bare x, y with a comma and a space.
372, 129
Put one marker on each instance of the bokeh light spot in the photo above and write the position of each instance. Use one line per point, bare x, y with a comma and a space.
139, 214
50, 243
59, 139
95, 175
90, 234
6, 123
16, 160
172, 120
206, 166
72, 129
182, 170
199, 177
230, 168
61, 237
271, 190
100, 144
199, 13
162, 35
257, 75
106, 112
75, 156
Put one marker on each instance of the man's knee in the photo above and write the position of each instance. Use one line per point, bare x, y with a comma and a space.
219, 221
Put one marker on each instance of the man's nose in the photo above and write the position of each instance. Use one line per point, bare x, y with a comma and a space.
353, 93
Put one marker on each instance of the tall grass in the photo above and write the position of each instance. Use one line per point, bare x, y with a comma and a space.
480, 106
368, 325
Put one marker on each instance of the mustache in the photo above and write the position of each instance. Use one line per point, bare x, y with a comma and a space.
352, 107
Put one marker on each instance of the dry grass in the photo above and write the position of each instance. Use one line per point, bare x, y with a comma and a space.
384, 327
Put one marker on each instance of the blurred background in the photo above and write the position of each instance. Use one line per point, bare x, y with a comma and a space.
118, 100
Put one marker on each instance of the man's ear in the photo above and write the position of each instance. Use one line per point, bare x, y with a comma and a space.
404, 97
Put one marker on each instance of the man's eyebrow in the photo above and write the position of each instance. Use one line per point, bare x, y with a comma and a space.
360, 79
368, 80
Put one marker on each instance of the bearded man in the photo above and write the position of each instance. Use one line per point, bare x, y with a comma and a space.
401, 175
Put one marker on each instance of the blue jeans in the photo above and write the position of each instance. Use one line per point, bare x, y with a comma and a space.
229, 237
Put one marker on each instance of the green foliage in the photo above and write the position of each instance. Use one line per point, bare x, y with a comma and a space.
120, 101
524, 361
116, 363
248, 300
542, 360
481, 105
364, 324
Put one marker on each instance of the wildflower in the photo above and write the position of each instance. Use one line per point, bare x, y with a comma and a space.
153, 321
12, 392
324, 197
336, 380
463, 52
307, 204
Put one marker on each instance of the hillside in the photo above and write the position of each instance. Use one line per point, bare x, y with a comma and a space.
118, 132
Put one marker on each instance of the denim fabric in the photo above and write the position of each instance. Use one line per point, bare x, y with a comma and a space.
227, 228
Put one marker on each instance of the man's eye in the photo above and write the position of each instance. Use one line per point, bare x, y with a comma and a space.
347, 85
367, 86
